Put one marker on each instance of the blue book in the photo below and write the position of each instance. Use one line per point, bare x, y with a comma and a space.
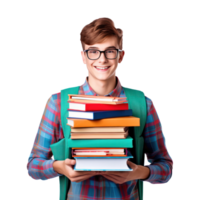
102, 164
94, 115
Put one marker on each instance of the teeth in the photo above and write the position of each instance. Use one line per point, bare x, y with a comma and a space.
101, 67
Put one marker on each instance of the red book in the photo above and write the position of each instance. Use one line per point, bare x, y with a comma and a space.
96, 106
98, 152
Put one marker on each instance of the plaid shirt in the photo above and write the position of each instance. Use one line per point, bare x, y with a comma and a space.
40, 164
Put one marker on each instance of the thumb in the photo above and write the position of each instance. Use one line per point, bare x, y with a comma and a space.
70, 161
131, 165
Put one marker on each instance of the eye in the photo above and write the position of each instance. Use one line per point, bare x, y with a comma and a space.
93, 51
110, 51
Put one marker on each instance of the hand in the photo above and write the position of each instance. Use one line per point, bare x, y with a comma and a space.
139, 172
65, 167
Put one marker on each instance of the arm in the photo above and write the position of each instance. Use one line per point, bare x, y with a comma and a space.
40, 164
155, 148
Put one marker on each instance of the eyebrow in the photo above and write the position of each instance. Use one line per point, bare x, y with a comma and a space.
111, 47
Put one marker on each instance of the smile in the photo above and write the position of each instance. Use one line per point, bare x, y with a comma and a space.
102, 68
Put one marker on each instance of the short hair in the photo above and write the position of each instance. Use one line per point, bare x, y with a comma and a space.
98, 30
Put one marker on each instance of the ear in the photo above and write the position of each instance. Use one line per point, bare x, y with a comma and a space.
82, 59
121, 56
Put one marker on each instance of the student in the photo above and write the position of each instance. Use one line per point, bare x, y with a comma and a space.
102, 51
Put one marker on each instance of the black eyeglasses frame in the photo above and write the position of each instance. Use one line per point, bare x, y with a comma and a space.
118, 50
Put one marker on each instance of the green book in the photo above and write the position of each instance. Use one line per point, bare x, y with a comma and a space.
95, 143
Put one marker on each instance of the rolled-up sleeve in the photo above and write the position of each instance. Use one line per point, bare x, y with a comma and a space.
40, 164
155, 148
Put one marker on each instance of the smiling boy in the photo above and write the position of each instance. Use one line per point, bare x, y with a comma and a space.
102, 51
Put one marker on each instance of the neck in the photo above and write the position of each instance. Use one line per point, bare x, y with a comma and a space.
102, 88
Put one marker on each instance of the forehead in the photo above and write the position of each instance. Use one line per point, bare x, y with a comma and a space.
108, 42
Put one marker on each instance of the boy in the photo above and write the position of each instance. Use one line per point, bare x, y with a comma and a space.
102, 51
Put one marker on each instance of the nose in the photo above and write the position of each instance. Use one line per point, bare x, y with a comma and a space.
102, 57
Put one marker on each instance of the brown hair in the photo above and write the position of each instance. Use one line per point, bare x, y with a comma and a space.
99, 30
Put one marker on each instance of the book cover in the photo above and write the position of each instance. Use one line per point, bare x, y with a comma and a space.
95, 115
117, 121
96, 106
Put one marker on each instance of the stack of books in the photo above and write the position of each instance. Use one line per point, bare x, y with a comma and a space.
100, 122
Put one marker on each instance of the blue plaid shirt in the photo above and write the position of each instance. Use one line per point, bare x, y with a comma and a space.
40, 164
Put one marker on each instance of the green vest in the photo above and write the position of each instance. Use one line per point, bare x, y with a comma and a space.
62, 149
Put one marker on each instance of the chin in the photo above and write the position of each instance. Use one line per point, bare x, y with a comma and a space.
102, 78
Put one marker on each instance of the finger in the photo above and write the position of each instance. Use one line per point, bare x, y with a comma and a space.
81, 173
114, 173
71, 173
81, 178
113, 179
75, 174
113, 176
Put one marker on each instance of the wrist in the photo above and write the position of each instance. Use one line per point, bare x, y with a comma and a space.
58, 166
144, 172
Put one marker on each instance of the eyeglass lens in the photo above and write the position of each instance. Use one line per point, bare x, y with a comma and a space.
95, 54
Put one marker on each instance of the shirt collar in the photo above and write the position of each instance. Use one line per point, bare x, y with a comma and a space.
85, 89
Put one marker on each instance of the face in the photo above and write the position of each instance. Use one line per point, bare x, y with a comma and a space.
102, 69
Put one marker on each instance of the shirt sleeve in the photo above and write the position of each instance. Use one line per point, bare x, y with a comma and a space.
40, 164
155, 148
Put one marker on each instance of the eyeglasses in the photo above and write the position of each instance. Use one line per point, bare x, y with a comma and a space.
94, 54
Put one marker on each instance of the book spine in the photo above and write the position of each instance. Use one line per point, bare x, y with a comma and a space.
111, 114
108, 155
90, 151
101, 107
106, 107
97, 148
92, 156
102, 102
116, 122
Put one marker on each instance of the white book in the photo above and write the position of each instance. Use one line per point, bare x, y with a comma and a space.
102, 164
90, 153
82, 115
77, 106
95, 150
